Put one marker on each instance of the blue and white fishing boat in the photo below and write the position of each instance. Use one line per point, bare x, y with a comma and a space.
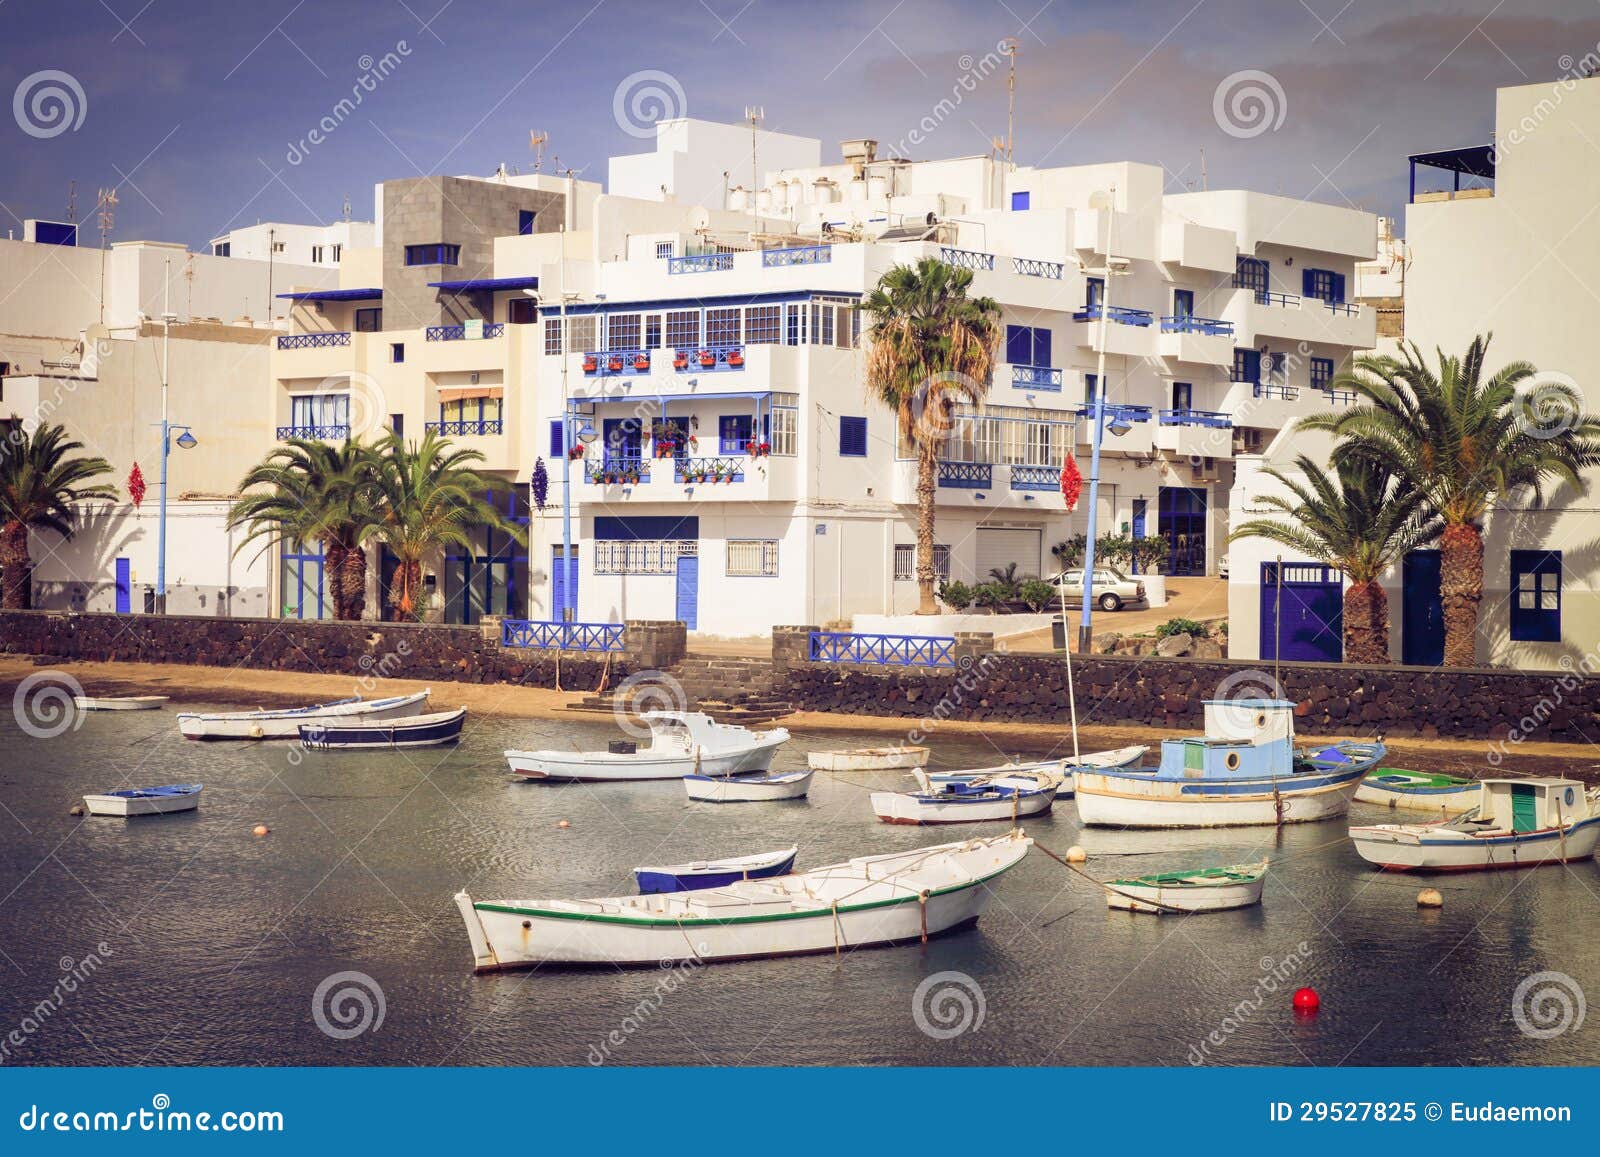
757, 787
1004, 774
1024, 794
1243, 770
1521, 823
145, 801
285, 724
428, 730
714, 873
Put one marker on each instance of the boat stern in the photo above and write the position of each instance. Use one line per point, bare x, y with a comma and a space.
483, 956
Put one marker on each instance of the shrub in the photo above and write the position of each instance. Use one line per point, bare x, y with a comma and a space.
1113, 550
1007, 580
1069, 551
1150, 552
1038, 594
955, 595
1183, 627
990, 595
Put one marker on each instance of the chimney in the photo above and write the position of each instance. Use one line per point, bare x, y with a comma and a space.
859, 152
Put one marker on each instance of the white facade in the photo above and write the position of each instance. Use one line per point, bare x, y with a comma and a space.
323, 246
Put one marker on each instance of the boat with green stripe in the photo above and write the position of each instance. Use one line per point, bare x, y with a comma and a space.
1420, 791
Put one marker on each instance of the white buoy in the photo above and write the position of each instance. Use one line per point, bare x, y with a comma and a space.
1076, 855
1430, 898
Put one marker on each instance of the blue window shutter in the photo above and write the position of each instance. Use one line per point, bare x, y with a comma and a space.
853, 437
1338, 287
1041, 346
1308, 282
1019, 201
1019, 345
1536, 596
557, 448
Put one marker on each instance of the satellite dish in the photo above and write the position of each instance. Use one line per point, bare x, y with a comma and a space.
95, 334
1100, 199
932, 219
700, 219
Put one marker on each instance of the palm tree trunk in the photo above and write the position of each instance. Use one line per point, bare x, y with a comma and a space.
927, 491
1366, 623
353, 580
17, 567
1461, 590
407, 580
333, 552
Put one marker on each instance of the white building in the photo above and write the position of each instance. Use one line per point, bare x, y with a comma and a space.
290, 244
705, 316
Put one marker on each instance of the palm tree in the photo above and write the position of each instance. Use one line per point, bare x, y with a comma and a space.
40, 480
1462, 443
933, 347
1362, 521
308, 490
429, 496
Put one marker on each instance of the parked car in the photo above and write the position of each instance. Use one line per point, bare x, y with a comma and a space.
1113, 591
1222, 566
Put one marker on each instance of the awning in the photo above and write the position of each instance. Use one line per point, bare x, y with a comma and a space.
334, 295
486, 284
1474, 160
460, 393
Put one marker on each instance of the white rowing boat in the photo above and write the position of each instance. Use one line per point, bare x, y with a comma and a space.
285, 724
681, 743
868, 759
145, 801
757, 788
1024, 794
1441, 796
1205, 890
870, 900
119, 702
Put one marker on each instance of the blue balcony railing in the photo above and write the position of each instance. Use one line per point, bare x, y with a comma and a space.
1035, 478
966, 258
1214, 419
883, 650
708, 470
1274, 390
1339, 397
1209, 326
614, 471
797, 255
609, 363
1030, 267
459, 332
326, 433
561, 636
313, 341
470, 428
1036, 377
1267, 297
966, 475
1115, 410
700, 263
1344, 307
706, 359
1121, 314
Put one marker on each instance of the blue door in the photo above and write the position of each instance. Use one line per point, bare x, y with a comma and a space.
622, 442
1421, 610
564, 585
1302, 617
1138, 525
124, 586
1182, 513
688, 590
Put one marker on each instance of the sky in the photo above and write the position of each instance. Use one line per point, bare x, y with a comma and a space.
200, 114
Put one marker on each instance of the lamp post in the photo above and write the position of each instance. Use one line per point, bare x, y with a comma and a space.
186, 440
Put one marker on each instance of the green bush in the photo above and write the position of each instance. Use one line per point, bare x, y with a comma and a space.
1069, 551
1183, 627
1150, 552
955, 595
1007, 580
1038, 594
991, 595
1113, 550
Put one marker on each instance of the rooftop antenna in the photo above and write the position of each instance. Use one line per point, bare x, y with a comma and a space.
1204, 186
754, 113
1009, 47
536, 142
105, 205
72, 202
188, 275
347, 206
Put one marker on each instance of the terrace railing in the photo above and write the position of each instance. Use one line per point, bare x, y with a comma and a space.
700, 263
608, 363
1273, 390
459, 332
1210, 326
1035, 478
797, 255
327, 433
601, 637
1121, 314
1031, 267
472, 427
966, 258
708, 470
883, 650
313, 341
1286, 300
614, 471
704, 359
966, 475
1215, 419
1038, 377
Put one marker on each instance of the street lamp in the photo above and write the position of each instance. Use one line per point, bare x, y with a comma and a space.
185, 439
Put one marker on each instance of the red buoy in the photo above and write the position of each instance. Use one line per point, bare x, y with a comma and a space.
1306, 1000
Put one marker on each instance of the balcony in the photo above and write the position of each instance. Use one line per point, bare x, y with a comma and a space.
1030, 267
1036, 378
313, 341
1213, 418
708, 471
1200, 340
1262, 314
476, 428
1120, 314
966, 475
718, 478
966, 258
1186, 433
1188, 323
617, 471
1035, 478
325, 433
612, 363
459, 332
700, 263
1129, 332
998, 486
708, 359
798, 255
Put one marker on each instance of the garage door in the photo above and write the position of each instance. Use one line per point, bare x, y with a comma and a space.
999, 546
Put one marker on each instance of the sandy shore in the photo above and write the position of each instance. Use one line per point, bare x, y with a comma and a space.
248, 687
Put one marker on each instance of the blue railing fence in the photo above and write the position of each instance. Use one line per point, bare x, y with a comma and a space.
883, 650
534, 633
313, 341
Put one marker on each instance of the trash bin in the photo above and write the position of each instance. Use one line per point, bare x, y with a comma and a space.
1058, 633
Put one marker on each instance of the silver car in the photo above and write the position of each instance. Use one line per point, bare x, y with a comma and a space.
1113, 591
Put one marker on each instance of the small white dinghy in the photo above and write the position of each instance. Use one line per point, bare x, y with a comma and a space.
1064, 768
749, 788
681, 743
868, 759
871, 900
1205, 890
714, 873
285, 724
119, 702
1025, 794
145, 801
1521, 823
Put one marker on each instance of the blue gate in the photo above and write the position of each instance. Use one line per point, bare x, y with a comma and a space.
1302, 617
688, 590
1421, 610
124, 586
563, 584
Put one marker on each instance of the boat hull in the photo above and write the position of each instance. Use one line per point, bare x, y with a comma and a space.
119, 702
1452, 800
752, 789
1158, 899
417, 731
120, 805
600, 765
286, 724
1395, 849
654, 881
894, 807
868, 759
1138, 801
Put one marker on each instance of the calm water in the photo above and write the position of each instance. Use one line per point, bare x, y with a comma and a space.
219, 939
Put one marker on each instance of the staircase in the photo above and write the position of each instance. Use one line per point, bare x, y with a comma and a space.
730, 690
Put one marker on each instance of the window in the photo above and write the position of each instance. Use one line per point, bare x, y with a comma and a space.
369, 320
683, 329
222, 249
470, 410
277, 246
722, 327
763, 324
1182, 395
1536, 596
1321, 373
622, 332
1183, 303
436, 253
852, 437
558, 446
1027, 345
652, 331
319, 410
525, 222
639, 555
1251, 273
794, 325
338, 252
821, 324
1322, 284
552, 337
733, 433
316, 255
905, 561
1094, 291
752, 557
1246, 365
522, 311
784, 423
397, 351
664, 250
397, 425
1091, 386
1019, 201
